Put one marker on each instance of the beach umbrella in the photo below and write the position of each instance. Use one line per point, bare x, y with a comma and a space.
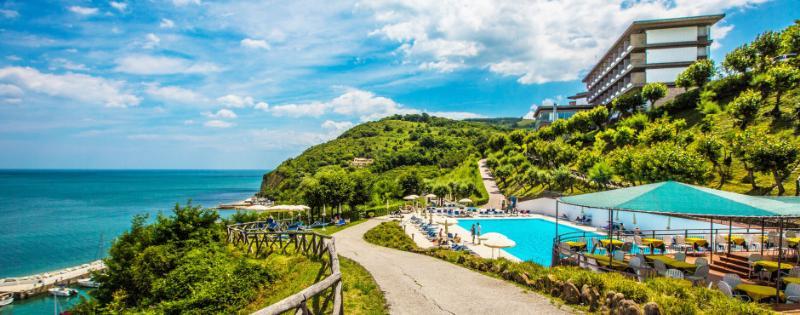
446, 224
465, 200
497, 240
669, 222
257, 208
430, 196
634, 219
411, 197
288, 208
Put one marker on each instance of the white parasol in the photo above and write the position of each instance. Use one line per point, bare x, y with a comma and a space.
465, 200
411, 197
257, 208
497, 240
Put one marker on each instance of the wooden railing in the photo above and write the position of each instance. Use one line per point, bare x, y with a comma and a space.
257, 240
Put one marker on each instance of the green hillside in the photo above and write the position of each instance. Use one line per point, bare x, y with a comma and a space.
735, 128
412, 154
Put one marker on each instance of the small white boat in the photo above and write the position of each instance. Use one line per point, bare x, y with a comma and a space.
88, 283
62, 291
6, 299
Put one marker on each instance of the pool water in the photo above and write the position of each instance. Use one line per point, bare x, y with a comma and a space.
534, 237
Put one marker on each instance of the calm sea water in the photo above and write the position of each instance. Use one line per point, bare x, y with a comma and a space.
534, 237
51, 219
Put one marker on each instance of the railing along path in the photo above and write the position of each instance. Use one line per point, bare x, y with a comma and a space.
257, 240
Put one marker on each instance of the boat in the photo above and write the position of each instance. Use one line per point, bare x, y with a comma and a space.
6, 299
62, 291
88, 283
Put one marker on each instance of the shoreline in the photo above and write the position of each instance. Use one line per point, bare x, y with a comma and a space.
32, 285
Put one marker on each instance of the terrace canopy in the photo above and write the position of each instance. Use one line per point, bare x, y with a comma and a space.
683, 199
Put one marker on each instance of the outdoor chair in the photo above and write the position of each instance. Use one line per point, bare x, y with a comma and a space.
792, 293
700, 274
773, 241
637, 240
619, 255
754, 241
726, 289
680, 244
592, 264
722, 242
660, 267
680, 256
674, 274
795, 272
597, 246
638, 267
732, 279
751, 262
700, 261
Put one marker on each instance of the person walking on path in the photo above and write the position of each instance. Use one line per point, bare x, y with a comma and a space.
472, 232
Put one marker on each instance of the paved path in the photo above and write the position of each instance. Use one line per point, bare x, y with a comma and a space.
495, 196
417, 284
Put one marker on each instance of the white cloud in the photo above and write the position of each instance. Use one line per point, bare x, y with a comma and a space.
83, 10
175, 94
336, 125
535, 41
74, 86
221, 114
9, 14
218, 124
188, 122
151, 41
254, 43
166, 23
719, 32
262, 106
13, 58
456, 115
287, 138
159, 65
180, 3
120, 6
10, 94
313, 109
67, 64
236, 101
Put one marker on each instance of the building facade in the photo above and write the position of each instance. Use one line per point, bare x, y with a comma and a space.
649, 51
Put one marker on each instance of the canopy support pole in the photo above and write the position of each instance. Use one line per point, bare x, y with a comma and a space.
711, 242
762, 236
780, 255
556, 242
730, 234
610, 236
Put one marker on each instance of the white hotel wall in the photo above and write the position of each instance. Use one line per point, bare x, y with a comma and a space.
672, 35
676, 54
645, 221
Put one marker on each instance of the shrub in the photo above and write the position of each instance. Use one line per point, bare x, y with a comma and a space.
390, 234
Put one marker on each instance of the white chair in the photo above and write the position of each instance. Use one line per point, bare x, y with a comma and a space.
700, 274
680, 256
792, 293
700, 261
751, 262
754, 241
722, 242
732, 279
680, 244
660, 267
674, 274
726, 289
795, 272
619, 255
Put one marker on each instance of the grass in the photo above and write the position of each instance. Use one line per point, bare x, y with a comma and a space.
671, 297
330, 229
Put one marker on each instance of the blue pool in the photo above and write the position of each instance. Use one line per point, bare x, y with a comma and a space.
534, 237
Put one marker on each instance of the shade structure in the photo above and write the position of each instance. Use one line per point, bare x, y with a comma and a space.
288, 208
672, 197
465, 200
430, 196
496, 240
257, 208
411, 197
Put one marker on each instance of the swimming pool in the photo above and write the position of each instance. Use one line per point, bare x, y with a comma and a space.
534, 237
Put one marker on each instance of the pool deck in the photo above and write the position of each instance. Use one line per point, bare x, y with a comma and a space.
481, 250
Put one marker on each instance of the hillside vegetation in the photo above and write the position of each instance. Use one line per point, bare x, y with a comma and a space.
735, 129
412, 154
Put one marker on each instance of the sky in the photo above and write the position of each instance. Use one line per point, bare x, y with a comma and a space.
198, 84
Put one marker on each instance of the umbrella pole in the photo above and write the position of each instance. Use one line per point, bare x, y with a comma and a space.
711, 242
610, 236
730, 235
556, 240
780, 255
762, 237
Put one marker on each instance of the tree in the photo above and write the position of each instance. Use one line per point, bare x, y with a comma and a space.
790, 41
744, 108
503, 172
767, 46
410, 183
653, 92
599, 116
780, 79
697, 74
580, 122
739, 60
601, 174
712, 149
563, 178
627, 103
739, 143
361, 189
441, 191
774, 156
498, 141
336, 184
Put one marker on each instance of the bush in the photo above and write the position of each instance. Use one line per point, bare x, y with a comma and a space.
390, 234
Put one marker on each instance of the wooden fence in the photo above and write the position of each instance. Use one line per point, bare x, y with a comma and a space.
258, 241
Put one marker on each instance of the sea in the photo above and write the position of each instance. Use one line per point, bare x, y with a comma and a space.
53, 219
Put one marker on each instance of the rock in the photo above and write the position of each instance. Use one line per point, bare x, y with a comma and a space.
461, 260
555, 288
590, 297
610, 297
651, 308
629, 307
570, 293
617, 300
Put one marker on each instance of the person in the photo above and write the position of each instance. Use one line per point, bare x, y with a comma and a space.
457, 239
472, 232
636, 231
478, 231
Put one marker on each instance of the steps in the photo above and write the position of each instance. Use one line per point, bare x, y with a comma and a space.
731, 264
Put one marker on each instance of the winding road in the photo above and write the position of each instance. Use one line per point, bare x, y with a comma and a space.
417, 284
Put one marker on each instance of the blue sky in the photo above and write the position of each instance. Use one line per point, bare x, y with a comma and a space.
247, 84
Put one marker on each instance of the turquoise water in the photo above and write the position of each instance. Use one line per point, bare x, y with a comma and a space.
53, 219
534, 237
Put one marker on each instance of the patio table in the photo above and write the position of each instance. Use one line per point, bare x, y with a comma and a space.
615, 243
758, 292
669, 261
654, 243
578, 246
793, 241
788, 280
697, 242
736, 239
771, 266
602, 260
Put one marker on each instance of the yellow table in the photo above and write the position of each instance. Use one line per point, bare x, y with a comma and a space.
788, 280
669, 261
736, 239
615, 243
771, 266
697, 242
793, 241
758, 292
653, 242
602, 260
579, 246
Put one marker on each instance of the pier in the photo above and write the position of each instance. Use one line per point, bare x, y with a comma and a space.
27, 286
